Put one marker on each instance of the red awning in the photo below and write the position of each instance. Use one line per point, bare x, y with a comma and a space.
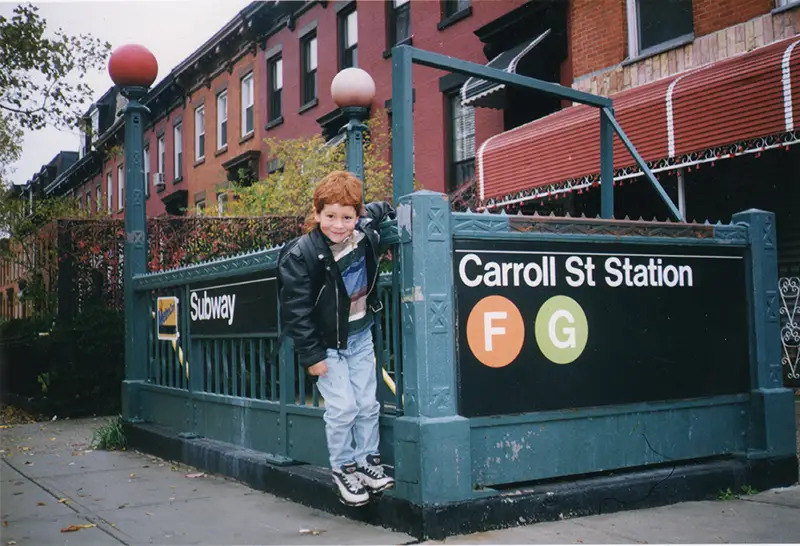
746, 103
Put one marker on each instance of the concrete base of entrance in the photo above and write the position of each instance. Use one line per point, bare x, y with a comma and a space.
514, 505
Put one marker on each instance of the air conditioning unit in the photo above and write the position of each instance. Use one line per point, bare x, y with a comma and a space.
158, 181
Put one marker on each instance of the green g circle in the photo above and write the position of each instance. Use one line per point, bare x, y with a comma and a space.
561, 329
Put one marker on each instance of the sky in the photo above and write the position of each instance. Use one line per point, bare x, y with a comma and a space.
164, 27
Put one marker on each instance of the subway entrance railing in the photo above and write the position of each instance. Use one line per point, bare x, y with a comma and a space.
218, 368
522, 349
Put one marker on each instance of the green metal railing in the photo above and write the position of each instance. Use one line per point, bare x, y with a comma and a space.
216, 385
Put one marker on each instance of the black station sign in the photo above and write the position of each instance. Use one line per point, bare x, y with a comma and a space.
239, 306
545, 326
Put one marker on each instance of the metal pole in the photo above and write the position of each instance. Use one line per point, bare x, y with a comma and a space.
135, 257
606, 165
354, 149
402, 123
682, 193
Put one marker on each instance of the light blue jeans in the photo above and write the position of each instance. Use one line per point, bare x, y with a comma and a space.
351, 409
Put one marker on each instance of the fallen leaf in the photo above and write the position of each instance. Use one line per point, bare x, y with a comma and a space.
121, 506
133, 475
40, 503
5, 523
63, 501
11, 542
53, 439
72, 528
24, 448
196, 475
6, 426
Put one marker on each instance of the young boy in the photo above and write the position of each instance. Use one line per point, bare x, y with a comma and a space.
328, 310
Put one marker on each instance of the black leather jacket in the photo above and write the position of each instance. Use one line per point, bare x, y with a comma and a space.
315, 307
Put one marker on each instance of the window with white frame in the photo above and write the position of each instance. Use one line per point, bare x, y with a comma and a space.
275, 74
222, 120
656, 24
162, 155
99, 196
348, 39
146, 173
120, 187
199, 133
785, 3
399, 19
222, 202
247, 104
177, 152
308, 52
461, 128
109, 192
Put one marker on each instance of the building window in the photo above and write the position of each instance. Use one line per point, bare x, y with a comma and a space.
348, 39
146, 173
89, 201
247, 104
655, 24
98, 189
451, 7
399, 22
222, 120
177, 142
109, 192
162, 156
309, 59
275, 72
200, 207
120, 187
461, 141
784, 3
199, 133
222, 203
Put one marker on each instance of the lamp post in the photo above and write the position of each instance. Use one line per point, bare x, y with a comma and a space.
352, 90
133, 68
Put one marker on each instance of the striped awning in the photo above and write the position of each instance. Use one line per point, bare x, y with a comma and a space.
746, 103
480, 92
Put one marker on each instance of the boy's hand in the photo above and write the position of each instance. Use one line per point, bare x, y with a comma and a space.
320, 369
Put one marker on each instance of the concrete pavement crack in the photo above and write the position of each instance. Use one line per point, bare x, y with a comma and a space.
73, 505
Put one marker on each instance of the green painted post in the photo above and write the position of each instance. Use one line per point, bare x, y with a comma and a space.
432, 442
137, 316
606, 164
354, 149
402, 123
772, 419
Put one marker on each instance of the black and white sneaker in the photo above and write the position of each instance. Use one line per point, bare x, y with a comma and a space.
351, 492
373, 476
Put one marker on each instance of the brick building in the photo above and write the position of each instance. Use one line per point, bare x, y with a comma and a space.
695, 83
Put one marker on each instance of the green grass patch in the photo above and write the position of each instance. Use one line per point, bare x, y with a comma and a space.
110, 436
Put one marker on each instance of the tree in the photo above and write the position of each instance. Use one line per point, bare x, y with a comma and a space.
30, 242
38, 86
304, 161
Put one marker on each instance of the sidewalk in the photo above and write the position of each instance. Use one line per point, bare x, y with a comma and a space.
50, 479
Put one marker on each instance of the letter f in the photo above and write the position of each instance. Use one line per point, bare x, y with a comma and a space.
488, 330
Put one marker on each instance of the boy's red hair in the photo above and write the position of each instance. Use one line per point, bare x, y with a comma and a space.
337, 187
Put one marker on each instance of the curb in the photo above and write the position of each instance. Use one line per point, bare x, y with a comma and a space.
524, 504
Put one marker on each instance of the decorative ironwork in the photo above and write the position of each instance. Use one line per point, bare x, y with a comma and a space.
242, 264
789, 289
580, 184
470, 223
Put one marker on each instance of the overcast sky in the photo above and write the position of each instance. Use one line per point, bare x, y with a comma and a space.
167, 28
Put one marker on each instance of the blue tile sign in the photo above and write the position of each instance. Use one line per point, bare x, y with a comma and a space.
167, 318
